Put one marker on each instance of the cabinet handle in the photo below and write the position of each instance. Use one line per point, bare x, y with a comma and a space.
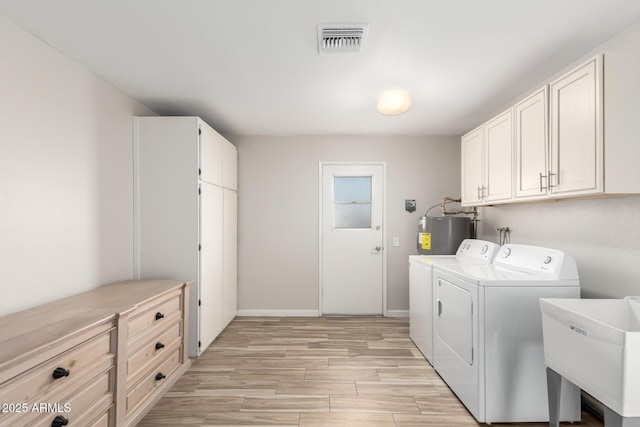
542, 187
439, 308
549, 186
59, 421
484, 192
160, 376
60, 372
159, 316
479, 195
159, 345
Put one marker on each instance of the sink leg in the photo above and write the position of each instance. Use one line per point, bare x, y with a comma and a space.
613, 419
554, 380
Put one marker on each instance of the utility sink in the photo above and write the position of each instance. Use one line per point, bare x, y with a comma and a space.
595, 344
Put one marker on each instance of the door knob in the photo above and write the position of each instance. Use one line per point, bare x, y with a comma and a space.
378, 248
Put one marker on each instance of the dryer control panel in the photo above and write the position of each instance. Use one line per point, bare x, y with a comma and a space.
536, 259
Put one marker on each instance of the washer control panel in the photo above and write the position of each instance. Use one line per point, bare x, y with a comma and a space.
477, 249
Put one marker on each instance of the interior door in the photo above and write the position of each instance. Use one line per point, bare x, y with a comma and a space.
210, 283
351, 239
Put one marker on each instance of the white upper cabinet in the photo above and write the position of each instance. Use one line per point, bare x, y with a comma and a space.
576, 154
498, 159
230, 168
472, 162
487, 162
211, 154
531, 145
578, 136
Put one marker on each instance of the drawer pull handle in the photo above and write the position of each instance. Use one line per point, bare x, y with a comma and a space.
59, 421
159, 316
160, 376
60, 372
159, 345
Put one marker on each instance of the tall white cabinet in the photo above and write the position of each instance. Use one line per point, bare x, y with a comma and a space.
186, 217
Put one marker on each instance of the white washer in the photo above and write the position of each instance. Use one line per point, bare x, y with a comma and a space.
421, 301
488, 332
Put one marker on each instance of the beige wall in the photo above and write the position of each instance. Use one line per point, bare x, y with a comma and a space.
66, 191
278, 211
602, 234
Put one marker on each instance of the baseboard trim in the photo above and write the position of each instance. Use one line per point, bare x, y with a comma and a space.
303, 313
278, 313
397, 313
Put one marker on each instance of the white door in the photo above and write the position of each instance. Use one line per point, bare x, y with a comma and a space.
498, 142
531, 145
210, 283
576, 136
472, 160
351, 252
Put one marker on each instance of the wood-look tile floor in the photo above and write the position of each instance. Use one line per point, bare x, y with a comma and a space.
329, 371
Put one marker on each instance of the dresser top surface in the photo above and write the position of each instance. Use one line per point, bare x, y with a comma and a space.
39, 327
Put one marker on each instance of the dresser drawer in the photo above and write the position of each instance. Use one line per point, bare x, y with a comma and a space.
102, 421
153, 351
154, 318
67, 371
82, 407
153, 380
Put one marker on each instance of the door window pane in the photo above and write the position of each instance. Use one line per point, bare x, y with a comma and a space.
352, 188
352, 202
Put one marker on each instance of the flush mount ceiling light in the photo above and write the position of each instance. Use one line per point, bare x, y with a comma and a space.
393, 102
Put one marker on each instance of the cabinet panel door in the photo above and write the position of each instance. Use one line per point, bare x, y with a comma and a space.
210, 283
230, 268
498, 149
210, 154
229, 165
576, 131
531, 145
471, 154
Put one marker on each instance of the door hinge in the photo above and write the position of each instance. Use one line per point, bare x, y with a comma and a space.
199, 302
199, 131
199, 248
199, 344
199, 190
199, 171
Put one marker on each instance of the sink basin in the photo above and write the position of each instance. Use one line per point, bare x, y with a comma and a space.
595, 344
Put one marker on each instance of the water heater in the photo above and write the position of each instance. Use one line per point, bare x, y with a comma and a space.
441, 235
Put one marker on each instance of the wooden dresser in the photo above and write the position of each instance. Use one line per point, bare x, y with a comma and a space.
101, 358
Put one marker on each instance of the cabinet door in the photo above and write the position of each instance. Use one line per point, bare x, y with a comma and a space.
229, 165
210, 283
498, 149
531, 142
576, 131
210, 154
230, 257
471, 155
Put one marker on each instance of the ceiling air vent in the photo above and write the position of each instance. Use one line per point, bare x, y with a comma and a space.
341, 38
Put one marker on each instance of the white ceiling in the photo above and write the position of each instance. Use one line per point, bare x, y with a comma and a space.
251, 67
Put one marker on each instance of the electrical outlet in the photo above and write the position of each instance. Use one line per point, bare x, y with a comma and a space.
396, 242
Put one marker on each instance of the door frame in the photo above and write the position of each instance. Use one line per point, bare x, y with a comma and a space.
384, 225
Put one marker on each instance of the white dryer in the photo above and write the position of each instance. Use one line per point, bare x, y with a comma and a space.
488, 332
421, 301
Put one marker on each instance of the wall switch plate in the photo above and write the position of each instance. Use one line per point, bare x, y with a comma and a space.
396, 241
